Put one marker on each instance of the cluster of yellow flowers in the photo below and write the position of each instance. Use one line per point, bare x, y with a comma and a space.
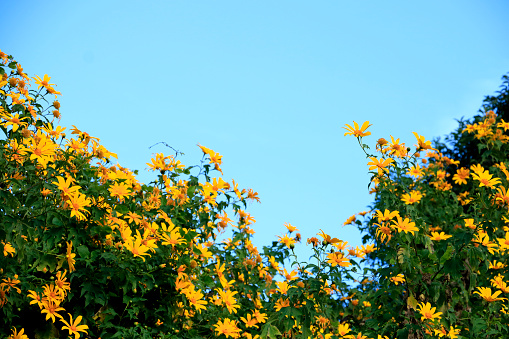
246, 291
46, 144
432, 172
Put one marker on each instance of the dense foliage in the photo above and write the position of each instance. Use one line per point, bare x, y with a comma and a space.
88, 251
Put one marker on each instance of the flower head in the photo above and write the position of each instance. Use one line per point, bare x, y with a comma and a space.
439, 236
74, 327
358, 132
485, 293
380, 165
227, 327
427, 312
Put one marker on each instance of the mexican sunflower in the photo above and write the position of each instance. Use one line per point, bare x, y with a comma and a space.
355, 130
380, 165
485, 293
427, 312
227, 327
73, 326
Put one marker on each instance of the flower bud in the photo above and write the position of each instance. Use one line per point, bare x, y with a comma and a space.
56, 104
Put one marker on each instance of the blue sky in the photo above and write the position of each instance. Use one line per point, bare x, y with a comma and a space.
267, 84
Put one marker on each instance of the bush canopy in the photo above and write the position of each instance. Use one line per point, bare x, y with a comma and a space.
89, 251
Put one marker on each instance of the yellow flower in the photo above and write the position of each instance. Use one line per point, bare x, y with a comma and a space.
413, 197
15, 121
358, 132
358, 336
350, 220
366, 249
214, 157
415, 171
380, 165
496, 265
439, 236
65, 185
61, 282
421, 143
499, 282
405, 225
283, 287
260, 317
53, 293
8, 249
119, 190
43, 82
228, 299
343, 329
470, 223
195, 299
70, 257
502, 196
383, 231
290, 227
482, 238
136, 247
78, 202
400, 278
18, 335
43, 149
36, 298
51, 308
328, 238
249, 321
74, 327
286, 240
485, 293
461, 176
322, 321
427, 312
281, 303
171, 235
400, 150
485, 179
386, 215
228, 328
338, 259
453, 332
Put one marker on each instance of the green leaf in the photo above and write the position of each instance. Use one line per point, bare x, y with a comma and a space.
83, 251
56, 221
190, 191
447, 255
269, 331
478, 325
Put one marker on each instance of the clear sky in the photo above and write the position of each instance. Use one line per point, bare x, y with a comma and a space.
267, 84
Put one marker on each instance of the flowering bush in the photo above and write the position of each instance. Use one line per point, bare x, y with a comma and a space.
90, 251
